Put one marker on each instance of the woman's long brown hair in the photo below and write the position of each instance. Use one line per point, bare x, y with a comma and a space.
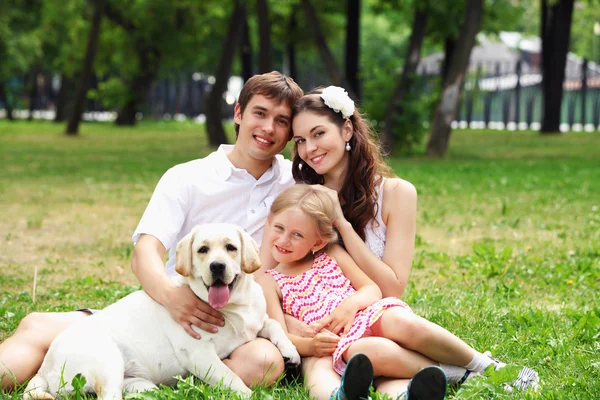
359, 193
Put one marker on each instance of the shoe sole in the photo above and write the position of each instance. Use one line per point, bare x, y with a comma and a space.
428, 384
358, 377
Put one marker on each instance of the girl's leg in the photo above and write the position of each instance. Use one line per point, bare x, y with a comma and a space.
319, 376
415, 333
389, 359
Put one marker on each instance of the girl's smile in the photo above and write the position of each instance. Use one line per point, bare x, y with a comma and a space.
292, 235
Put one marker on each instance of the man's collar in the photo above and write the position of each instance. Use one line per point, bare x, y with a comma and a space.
224, 167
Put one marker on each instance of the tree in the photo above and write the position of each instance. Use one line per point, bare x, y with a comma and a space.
291, 46
353, 45
326, 55
452, 86
214, 125
246, 49
20, 45
88, 67
265, 59
555, 32
405, 81
148, 57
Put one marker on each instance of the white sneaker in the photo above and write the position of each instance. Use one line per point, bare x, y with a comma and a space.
527, 378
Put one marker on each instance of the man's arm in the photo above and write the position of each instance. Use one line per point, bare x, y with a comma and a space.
181, 302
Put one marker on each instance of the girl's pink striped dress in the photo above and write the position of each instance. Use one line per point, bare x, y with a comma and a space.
313, 295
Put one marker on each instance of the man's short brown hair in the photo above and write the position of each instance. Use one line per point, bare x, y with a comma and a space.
272, 85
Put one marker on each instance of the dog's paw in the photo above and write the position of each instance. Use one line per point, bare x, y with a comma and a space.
290, 355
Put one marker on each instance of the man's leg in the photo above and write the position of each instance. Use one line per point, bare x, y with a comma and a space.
257, 362
21, 354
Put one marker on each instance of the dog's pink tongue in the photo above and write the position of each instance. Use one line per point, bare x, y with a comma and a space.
218, 296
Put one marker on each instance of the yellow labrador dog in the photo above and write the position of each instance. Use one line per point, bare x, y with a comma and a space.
134, 344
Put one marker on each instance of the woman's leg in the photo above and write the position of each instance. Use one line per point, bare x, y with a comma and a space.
415, 333
319, 376
22, 353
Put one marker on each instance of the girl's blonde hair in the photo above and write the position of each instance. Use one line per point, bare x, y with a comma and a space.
316, 204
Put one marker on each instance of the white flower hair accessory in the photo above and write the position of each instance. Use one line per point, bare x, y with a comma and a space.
338, 100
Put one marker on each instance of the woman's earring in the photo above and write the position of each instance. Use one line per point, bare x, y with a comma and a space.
348, 147
300, 166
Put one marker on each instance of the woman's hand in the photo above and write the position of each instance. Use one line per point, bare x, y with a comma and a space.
324, 343
333, 195
340, 320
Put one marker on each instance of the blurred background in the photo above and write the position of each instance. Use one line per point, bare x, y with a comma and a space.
418, 68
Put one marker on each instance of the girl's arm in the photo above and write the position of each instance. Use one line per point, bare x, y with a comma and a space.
400, 216
367, 293
305, 346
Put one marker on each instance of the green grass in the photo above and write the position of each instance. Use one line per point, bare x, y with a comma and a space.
508, 245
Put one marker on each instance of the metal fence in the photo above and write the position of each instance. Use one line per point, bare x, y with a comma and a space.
500, 96
179, 96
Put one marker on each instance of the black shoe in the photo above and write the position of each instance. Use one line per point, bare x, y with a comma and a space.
428, 384
356, 380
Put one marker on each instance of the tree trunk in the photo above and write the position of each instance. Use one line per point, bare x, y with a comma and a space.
62, 102
291, 46
33, 92
451, 90
149, 61
246, 49
88, 66
332, 67
265, 59
214, 124
404, 84
7, 107
555, 33
449, 46
353, 45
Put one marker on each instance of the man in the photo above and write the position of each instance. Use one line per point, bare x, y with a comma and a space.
235, 184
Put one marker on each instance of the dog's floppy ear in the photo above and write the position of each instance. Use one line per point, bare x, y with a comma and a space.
250, 260
183, 254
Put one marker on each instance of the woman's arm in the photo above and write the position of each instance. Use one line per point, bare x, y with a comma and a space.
400, 216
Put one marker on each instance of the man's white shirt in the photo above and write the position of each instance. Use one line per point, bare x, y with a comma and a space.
211, 190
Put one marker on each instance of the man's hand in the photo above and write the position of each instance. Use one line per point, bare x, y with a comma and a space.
187, 309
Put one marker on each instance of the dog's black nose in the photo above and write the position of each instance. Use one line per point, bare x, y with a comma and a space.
217, 267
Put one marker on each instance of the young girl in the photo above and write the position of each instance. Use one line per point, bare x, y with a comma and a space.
319, 283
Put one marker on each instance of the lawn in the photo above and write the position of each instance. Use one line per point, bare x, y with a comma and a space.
508, 245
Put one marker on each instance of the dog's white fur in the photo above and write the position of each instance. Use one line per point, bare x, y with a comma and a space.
134, 344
